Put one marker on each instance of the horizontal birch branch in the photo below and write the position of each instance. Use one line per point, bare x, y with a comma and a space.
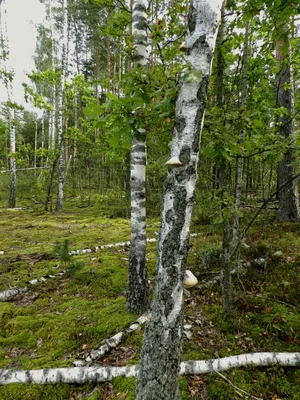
97, 374
22, 169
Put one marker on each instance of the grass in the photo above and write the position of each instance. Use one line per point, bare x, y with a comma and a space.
62, 319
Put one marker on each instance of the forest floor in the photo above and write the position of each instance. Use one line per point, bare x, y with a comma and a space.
62, 319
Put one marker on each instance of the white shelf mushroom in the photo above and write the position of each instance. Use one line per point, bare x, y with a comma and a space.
174, 162
189, 279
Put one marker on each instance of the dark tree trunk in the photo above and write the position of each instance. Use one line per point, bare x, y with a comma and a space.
288, 197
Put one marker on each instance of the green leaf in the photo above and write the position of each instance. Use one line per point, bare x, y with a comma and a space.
92, 110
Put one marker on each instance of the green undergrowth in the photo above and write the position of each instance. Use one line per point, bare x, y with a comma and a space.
62, 319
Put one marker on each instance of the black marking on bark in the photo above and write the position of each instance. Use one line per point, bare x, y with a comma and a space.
137, 184
140, 38
192, 19
141, 218
140, 23
201, 96
180, 175
140, 199
180, 124
28, 376
60, 377
169, 183
139, 7
185, 155
138, 148
170, 216
140, 161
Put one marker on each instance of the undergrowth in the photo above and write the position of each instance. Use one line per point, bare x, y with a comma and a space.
60, 320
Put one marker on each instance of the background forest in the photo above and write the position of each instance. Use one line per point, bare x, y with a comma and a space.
65, 185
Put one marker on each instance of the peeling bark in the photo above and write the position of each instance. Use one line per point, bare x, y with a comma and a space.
81, 375
161, 350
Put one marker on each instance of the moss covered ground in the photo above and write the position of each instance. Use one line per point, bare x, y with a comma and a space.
61, 320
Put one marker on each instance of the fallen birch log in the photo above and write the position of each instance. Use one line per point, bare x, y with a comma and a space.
114, 341
97, 374
10, 293
6, 295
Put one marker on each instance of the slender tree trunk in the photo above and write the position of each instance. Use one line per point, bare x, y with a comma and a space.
11, 112
35, 142
52, 118
288, 197
161, 350
239, 163
43, 138
130, 37
108, 54
75, 126
221, 178
13, 164
61, 144
137, 293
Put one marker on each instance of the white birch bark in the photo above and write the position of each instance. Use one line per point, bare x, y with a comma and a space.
12, 161
60, 111
81, 375
43, 138
35, 141
11, 111
52, 117
161, 350
137, 293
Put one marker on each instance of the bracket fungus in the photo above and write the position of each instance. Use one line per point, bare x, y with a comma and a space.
174, 162
189, 279
182, 47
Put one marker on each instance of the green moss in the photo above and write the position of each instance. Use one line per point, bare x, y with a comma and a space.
47, 392
125, 386
183, 387
263, 383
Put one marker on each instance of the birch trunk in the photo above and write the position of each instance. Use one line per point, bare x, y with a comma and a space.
52, 118
108, 54
11, 111
13, 164
43, 138
81, 375
161, 350
61, 145
35, 142
137, 292
288, 197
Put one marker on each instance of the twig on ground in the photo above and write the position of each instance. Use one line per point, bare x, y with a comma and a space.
239, 391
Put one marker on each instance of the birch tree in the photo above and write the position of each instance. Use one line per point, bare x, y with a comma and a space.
161, 350
61, 146
7, 78
137, 294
